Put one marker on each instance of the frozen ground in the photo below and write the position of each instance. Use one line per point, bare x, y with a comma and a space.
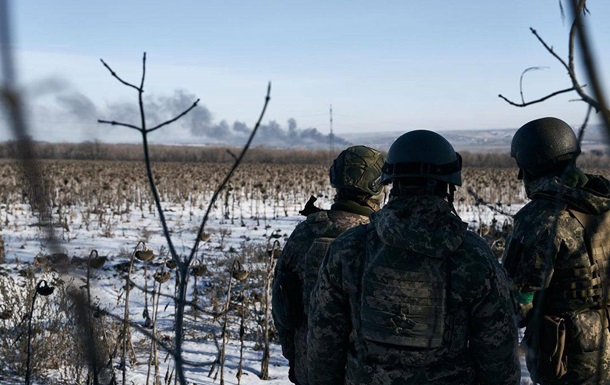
115, 235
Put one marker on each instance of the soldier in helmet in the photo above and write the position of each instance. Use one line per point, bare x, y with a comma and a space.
356, 175
558, 257
413, 297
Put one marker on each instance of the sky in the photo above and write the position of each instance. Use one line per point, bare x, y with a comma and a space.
382, 66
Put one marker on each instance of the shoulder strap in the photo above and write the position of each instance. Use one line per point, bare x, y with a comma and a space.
587, 221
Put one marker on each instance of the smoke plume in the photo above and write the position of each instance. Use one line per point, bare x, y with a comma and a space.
197, 127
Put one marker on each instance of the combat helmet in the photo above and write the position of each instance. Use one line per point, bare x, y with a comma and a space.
358, 168
543, 145
423, 154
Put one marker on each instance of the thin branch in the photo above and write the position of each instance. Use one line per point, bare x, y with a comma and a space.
571, 39
182, 267
550, 49
537, 100
143, 72
230, 174
174, 119
232, 155
581, 130
600, 104
148, 334
195, 306
115, 123
570, 65
117, 76
481, 201
179, 317
521, 79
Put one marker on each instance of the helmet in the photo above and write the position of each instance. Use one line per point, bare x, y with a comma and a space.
358, 168
423, 154
542, 144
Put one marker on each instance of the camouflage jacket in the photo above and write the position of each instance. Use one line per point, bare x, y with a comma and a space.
480, 337
326, 223
547, 243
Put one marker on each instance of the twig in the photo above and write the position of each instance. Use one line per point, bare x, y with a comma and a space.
537, 100
147, 161
521, 79
183, 269
581, 130
479, 200
117, 76
600, 104
159, 342
174, 119
182, 266
115, 123
230, 174
569, 66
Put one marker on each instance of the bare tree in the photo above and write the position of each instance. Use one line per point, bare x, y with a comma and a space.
183, 264
577, 33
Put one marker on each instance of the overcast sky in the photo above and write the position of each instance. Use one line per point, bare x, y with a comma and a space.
383, 65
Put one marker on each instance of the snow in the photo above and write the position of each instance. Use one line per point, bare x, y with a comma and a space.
115, 235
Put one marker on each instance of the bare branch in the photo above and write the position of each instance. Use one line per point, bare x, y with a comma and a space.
537, 100
581, 130
231, 154
600, 104
141, 103
230, 174
521, 79
182, 267
143, 72
179, 317
571, 38
117, 76
195, 306
569, 66
551, 50
148, 334
115, 123
481, 201
174, 119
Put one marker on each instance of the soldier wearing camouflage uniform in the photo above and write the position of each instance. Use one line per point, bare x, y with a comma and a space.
413, 297
356, 174
558, 257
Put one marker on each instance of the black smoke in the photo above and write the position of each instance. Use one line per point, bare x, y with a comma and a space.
198, 126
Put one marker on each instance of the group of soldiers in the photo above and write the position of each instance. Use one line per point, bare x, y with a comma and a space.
406, 294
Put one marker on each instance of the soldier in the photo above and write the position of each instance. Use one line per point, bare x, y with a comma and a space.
413, 297
356, 174
558, 256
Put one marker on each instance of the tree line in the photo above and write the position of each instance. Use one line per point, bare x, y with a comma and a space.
96, 150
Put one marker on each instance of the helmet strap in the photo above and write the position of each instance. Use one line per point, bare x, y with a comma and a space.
451, 194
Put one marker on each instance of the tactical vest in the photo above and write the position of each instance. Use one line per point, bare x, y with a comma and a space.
586, 277
404, 296
326, 230
313, 260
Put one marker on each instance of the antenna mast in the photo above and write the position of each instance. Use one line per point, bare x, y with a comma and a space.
331, 137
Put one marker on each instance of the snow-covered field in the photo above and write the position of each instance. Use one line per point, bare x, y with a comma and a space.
115, 235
